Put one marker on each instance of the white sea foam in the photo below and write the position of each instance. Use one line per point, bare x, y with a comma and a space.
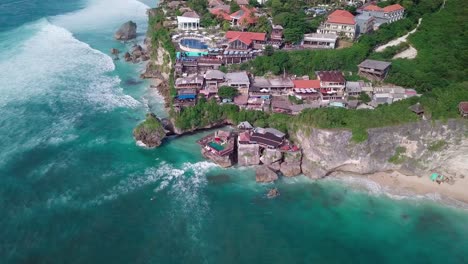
51, 63
102, 14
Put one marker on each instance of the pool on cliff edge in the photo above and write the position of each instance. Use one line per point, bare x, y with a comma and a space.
193, 43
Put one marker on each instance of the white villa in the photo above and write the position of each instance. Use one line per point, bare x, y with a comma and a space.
188, 21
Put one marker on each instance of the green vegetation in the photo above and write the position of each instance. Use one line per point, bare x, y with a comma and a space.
398, 158
293, 99
365, 98
290, 15
150, 125
389, 52
227, 92
437, 145
440, 78
441, 43
234, 7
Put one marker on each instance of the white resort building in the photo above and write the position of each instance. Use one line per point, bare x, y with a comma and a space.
188, 21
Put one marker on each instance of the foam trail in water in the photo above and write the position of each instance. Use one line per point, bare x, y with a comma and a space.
100, 14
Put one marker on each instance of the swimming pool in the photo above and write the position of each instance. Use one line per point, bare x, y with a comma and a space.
193, 43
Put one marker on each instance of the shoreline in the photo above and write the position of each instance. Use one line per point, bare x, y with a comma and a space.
396, 184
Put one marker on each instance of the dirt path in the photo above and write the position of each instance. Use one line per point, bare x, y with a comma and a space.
398, 40
409, 53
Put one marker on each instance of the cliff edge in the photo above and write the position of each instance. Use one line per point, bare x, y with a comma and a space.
418, 148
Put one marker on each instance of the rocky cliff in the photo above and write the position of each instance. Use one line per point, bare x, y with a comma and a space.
412, 149
150, 132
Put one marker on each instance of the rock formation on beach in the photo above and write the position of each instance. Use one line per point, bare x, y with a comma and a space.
150, 132
265, 174
127, 31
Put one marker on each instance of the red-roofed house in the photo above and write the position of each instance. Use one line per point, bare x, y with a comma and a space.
332, 85
307, 89
463, 107
239, 40
244, 17
388, 14
340, 22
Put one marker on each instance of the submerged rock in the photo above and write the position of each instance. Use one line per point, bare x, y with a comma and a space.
150, 132
127, 31
272, 193
115, 51
265, 174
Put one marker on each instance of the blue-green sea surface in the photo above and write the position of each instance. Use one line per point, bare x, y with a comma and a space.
75, 188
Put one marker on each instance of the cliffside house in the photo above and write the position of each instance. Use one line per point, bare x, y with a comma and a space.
215, 3
373, 69
365, 23
238, 40
213, 79
239, 80
245, 125
417, 109
188, 21
319, 41
307, 89
281, 104
221, 143
354, 88
193, 65
276, 33
341, 23
244, 17
190, 82
388, 14
332, 85
463, 107
267, 137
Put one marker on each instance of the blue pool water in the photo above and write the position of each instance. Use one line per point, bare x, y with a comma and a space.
193, 43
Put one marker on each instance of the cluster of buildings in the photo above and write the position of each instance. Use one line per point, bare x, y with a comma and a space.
223, 143
282, 93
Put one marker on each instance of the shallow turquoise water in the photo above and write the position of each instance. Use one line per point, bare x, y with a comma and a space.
75, 188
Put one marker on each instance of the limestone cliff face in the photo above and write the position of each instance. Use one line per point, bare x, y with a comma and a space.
248, 154
412, 149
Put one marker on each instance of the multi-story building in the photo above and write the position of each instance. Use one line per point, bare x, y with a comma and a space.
388, 14
332, 85
341, 23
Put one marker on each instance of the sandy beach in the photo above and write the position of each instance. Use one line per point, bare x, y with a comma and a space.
397, 183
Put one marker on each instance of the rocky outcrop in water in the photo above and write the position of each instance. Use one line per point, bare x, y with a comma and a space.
265, 174
150, 132
127, 31
413, 149
223, 161
270, 156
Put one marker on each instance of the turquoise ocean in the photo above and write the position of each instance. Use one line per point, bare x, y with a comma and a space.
75, 188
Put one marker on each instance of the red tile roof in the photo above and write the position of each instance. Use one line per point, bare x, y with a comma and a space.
245, 37
246, 15
372, 8
306, 84
464, 107
331, 76
392, 8
341, 17
220, 11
